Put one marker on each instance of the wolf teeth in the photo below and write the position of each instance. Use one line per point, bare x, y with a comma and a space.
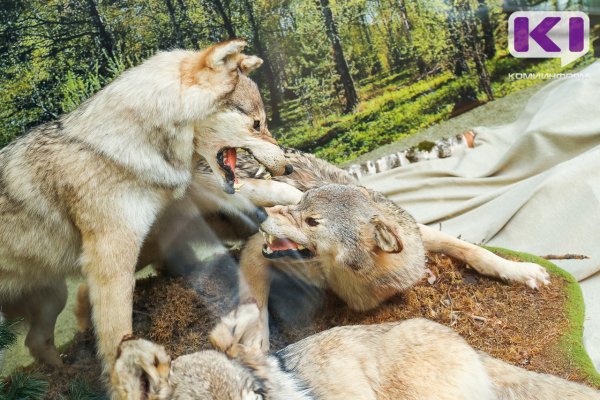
268, 176
268, 250
300, 247
261, 170
270, 239
237, 186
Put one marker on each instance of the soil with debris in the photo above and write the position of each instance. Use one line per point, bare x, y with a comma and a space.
509, 321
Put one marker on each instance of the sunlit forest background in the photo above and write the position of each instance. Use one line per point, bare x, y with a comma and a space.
340, 78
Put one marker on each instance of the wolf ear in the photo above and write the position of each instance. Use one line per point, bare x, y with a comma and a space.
222, 53
249, 63
386, 237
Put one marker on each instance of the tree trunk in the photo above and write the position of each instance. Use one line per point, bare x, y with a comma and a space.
470, 34
467, 94
104, 36
483, 14
268, 72
190, 24
407, 28
377, 67
338, 53
175, 23
225, 17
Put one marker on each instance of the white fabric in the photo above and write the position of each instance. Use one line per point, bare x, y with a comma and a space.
532, 185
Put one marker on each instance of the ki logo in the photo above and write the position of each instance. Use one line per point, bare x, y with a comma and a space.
549, 34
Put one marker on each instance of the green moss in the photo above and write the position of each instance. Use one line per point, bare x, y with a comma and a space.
570, 344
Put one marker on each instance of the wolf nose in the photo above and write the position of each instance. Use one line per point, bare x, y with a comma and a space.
288, 169
261, 215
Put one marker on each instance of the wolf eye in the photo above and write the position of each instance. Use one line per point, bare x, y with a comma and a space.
311, 221
256, 125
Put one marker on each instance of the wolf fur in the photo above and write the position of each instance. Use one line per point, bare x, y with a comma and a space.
412, 359
80, 194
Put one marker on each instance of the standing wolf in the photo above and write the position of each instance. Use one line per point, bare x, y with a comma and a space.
408, 360
80, 194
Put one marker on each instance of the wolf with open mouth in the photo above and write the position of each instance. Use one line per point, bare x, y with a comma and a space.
336, 234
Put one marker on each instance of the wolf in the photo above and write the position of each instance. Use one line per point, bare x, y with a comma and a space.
408, 360
330, 232
80, 194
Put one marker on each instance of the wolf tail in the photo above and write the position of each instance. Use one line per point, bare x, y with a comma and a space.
513, 383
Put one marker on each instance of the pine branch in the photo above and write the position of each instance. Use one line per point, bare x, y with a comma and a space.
23, 386
7, 334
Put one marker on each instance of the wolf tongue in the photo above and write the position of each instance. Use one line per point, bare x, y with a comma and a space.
280, 244
230, 159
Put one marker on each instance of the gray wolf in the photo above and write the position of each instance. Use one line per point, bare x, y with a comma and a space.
335, 234
80, 195
412, 359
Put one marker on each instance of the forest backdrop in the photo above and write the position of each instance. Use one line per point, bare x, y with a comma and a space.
340, 78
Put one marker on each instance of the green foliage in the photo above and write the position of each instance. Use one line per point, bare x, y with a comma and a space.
56, 54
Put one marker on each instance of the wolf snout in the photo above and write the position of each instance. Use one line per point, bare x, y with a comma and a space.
261, 215
288, 169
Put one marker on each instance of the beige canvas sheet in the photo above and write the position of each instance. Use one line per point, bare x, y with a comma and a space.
532, 185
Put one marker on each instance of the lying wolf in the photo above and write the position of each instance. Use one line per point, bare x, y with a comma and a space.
335, 234
80, 194
412, 359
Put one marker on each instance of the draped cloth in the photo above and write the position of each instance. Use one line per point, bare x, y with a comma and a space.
532, 185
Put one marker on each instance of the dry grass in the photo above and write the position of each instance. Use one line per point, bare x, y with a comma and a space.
510, 322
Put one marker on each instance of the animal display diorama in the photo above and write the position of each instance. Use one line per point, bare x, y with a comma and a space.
111, 187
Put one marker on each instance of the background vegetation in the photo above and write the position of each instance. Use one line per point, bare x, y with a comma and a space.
340, 77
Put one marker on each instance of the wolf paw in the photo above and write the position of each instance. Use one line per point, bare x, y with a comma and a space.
531, 274
237, 329
137, 360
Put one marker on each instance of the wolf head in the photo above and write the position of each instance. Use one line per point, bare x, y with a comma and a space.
239, 124
347, 227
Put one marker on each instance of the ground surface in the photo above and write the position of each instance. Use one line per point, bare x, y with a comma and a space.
510, 322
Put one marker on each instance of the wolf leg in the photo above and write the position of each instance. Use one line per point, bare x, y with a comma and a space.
109, 267
255, 282
484, 261
42, 309
269, 193
83, 308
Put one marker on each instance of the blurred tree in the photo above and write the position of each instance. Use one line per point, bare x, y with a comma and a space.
338, 55
267, 69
